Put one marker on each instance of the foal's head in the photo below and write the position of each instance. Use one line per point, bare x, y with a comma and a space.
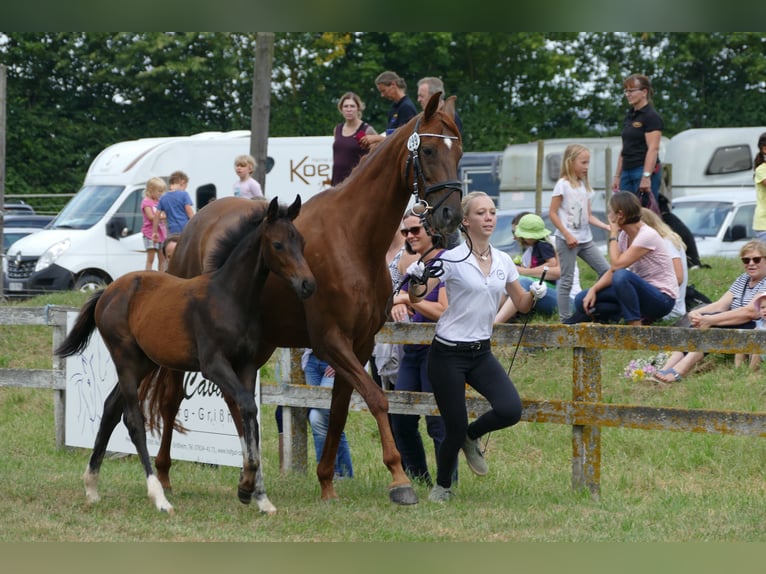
282, 247
271, 236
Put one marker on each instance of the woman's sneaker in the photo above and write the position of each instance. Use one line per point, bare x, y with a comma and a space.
440, 494
474, 457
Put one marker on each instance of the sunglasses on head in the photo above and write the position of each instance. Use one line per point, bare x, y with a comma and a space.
415, 230
747, 260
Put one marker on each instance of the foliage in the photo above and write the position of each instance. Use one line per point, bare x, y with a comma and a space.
70, 94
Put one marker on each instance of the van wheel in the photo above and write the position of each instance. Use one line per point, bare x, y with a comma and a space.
89, 282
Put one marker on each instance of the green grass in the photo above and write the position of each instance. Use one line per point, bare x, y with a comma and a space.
655, 486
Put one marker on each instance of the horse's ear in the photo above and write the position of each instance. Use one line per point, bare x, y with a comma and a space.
271, 213
432, 106
449, 107
295, 208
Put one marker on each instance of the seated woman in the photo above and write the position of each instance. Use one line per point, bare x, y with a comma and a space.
539, 253
677, 249
641, 283
732, 310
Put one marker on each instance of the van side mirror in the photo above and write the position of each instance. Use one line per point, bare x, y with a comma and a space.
117, 227
735, 233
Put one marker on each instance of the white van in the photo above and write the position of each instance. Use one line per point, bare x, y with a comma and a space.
97, 236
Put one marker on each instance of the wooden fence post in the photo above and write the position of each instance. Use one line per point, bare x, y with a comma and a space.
586, 439
56, 317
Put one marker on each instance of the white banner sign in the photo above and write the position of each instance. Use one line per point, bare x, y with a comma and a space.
211, 437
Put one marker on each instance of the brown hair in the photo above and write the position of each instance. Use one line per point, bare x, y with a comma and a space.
351, 96
178, 177
643, 83
628, 203
389, 78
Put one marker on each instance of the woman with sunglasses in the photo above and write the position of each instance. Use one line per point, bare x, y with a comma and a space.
476, 276
733, 310
638, 165
413, 373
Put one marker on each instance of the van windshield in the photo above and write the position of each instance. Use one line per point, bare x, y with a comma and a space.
703, 218
88, 206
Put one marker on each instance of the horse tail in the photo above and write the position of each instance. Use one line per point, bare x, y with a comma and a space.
79, 336
151, 395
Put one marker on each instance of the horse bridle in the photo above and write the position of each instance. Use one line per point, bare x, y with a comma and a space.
421, 206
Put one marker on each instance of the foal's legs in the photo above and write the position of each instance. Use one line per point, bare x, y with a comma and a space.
170, 385
130, 377
113, 406
242, 389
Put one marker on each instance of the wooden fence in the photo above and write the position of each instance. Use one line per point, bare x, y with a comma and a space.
585, 412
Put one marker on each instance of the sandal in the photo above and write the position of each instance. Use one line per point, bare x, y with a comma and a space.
667, 376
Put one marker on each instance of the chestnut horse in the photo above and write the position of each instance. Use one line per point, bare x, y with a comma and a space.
348, 230
208, 324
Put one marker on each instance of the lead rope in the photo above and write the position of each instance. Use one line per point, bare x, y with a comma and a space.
521, 335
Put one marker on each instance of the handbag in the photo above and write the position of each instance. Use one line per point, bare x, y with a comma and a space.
648, 201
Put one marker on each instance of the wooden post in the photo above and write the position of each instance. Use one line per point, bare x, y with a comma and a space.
3, 100
586, 439
259, 120
57, 318
539, 177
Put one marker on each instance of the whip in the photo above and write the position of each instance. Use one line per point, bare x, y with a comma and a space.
526, 320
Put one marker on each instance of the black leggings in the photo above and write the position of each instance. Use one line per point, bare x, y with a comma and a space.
449, 369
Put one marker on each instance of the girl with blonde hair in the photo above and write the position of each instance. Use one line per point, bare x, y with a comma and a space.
570, 213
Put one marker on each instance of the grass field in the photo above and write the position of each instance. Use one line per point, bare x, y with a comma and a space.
655, 486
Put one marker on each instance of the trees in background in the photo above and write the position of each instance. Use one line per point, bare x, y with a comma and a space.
72, 94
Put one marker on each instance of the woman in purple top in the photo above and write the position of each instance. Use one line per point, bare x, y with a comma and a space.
413, 367
346, 147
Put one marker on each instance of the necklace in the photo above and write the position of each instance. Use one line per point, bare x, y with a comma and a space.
484, 255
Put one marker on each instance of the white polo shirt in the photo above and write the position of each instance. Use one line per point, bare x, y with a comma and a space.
472, 298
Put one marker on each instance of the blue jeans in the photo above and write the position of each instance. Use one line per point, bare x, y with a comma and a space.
630, 179
548, 305
629, 297
413, 376
319, 418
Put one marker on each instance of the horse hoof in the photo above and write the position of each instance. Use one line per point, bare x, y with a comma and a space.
403, 495
266, 507
244, 496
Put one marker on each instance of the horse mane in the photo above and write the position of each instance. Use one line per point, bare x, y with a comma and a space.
234, 237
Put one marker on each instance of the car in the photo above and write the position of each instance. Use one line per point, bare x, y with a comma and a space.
721, 223
503, 239
18, 207
18, 225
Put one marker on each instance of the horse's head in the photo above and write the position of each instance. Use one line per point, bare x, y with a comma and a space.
435, 147
282, 248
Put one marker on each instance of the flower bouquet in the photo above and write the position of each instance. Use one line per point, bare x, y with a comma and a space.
642, 369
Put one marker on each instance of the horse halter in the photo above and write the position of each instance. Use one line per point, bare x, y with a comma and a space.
421, 206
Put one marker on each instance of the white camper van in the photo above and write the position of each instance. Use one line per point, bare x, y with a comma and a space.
97, 236
712, 160
518, 175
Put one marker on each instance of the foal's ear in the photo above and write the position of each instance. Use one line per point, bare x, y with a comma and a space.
295, 208
273, 210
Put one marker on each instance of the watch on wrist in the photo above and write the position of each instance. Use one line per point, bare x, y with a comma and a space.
647, 174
